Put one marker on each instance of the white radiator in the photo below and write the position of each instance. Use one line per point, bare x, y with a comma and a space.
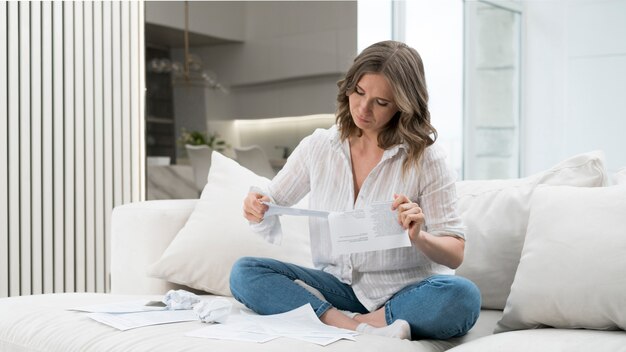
71, 139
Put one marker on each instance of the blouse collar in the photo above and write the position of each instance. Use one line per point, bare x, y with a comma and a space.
335, 140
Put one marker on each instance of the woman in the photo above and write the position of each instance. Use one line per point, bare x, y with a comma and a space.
382, 148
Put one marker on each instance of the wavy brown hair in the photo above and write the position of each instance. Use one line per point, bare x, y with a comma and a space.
403, 68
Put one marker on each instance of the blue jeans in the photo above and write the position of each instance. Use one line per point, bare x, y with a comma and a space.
439, 307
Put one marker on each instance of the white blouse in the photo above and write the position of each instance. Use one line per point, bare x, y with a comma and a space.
321, 167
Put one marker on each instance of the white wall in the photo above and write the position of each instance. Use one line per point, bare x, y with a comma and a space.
574, 81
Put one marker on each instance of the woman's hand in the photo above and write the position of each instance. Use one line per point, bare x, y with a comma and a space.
410, 215
253, 208
445, 250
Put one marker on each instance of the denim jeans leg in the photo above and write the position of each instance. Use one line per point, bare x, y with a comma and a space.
267, 287
440, 307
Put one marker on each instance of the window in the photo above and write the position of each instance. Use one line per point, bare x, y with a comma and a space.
435, 30
471, 52
373, 22
492, 90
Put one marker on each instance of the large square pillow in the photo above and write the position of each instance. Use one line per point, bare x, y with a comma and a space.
619, 178
216, 233
572, 272
495, 213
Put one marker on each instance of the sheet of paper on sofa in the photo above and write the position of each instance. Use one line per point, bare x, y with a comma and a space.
121, 307
226, 332
137, 320
372, 228
300, 323
173, 300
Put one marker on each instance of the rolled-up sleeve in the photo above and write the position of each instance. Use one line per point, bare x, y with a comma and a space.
289, 186
437, 197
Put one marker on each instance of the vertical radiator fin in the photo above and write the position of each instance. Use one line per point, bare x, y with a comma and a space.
71, 139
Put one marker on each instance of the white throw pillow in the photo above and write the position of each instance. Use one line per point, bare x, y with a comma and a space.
495, 213
572, 273
216, 234
619, 178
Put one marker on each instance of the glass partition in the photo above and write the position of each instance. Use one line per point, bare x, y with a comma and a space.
492, 90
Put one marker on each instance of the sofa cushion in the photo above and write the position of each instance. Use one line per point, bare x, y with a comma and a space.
572, 269
216, 233
43, 323
495, 213
133, 225
542, 340
619, 178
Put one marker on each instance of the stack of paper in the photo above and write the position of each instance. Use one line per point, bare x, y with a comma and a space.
129, 321
135, 314
300, 323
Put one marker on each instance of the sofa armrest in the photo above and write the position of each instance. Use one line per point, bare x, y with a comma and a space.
140, 233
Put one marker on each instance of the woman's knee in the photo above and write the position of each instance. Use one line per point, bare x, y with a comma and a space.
464, 300
242, 271
458, 311
462, 289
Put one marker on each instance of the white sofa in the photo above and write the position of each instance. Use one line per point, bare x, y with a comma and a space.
156, 244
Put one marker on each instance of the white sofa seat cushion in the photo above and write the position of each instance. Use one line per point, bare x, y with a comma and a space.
42, 323
572, 272
552, 340
495, 213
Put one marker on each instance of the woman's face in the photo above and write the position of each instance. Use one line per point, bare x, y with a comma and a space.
372, 104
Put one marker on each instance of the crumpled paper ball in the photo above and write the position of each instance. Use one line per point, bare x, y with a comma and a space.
213, 311
180, 300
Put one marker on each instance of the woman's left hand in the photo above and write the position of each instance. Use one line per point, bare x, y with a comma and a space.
446, 250
410, 215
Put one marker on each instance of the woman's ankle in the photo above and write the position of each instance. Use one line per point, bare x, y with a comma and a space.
371, 319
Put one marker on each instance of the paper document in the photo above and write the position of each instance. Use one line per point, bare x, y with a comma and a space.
136, 320
362, 230
300, 323
373, 228
120, 307
274, 209
229, 332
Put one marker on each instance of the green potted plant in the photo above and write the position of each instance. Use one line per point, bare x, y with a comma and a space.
214, 141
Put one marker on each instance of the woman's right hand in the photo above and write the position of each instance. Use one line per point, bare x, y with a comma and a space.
253, 208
